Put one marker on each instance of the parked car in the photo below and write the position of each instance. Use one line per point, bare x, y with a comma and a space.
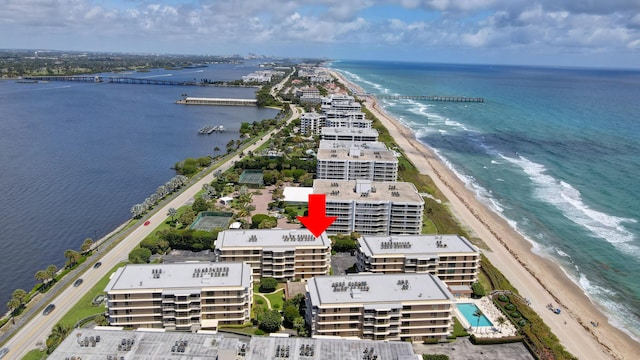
3, 352
77, 283
48, 309
97, 265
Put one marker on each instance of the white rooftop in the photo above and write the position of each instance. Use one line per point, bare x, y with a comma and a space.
152, 345
344, 144
415, 246
180, 276
391, 289
368, 191
349, 131
297, 194
356, 153
270, 239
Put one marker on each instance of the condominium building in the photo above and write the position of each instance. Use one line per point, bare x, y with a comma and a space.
372, 208
348, 134
185, 296
340, 102
450, 257
312, 123
356, 163
366, 145
280, 254
380, 306
347, 119
309, 94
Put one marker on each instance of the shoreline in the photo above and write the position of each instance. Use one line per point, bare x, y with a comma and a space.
539, 279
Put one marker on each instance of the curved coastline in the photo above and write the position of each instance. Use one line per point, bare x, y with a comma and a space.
539, 279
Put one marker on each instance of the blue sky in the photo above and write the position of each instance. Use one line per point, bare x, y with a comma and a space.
593, 33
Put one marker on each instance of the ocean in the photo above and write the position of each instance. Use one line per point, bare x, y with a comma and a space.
554, 151
75, 157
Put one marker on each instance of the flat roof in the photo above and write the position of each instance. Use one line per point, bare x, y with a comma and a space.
151, 345
270, 239
379, 289
297, 194
378, 191
415, 246
180, 276
262, 348
346, 144
147, 345
356, 154
349, 131
204, 99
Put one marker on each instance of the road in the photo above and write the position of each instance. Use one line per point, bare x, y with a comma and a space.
39, 327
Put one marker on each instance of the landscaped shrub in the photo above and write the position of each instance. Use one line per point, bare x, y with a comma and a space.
503, 298
515, 315
258, 332
522, 322
510, 306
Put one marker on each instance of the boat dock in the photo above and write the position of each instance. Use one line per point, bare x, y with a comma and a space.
209, 129
217, 101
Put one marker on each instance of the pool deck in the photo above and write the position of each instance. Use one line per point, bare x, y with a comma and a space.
492, 313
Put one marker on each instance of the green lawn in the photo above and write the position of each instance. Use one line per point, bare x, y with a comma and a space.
83, 308
276, 299
35, 355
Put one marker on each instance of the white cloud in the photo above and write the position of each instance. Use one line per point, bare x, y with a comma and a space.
496, 24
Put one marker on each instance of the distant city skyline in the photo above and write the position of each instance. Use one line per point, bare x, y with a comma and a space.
519, 32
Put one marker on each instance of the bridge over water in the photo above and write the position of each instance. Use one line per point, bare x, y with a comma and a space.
127, 80
427, 97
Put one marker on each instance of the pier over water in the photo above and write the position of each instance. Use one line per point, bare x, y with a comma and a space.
217, 101
427, 97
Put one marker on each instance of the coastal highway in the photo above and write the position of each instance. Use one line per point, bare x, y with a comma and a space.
39, 327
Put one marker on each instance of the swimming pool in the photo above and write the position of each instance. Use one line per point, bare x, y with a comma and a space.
467, 310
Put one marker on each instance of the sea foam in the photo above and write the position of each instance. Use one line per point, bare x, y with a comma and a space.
569, 201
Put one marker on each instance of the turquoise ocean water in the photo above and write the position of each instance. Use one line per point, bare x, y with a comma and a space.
555, 151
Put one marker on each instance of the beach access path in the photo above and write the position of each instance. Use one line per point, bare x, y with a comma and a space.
537, 279
39, 327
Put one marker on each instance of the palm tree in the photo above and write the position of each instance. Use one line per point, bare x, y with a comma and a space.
501, 321
51, 271
58, 333
19, 294
13, 304
72, 257
216, 150
42, 275
478, 313
172, 212
86, 245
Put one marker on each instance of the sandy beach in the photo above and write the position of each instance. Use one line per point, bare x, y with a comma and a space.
536, 278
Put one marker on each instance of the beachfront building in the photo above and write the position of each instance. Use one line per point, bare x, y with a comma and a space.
372, 208
348, 134
347, 119
450, 257
185, 296
340, 102
356, 162
413, 307
280, 254
314, 74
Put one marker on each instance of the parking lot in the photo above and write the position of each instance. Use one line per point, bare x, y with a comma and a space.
340, 262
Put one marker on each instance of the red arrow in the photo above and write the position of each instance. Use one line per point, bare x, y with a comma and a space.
317, 221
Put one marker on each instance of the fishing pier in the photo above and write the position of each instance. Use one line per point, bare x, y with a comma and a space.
427, 97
